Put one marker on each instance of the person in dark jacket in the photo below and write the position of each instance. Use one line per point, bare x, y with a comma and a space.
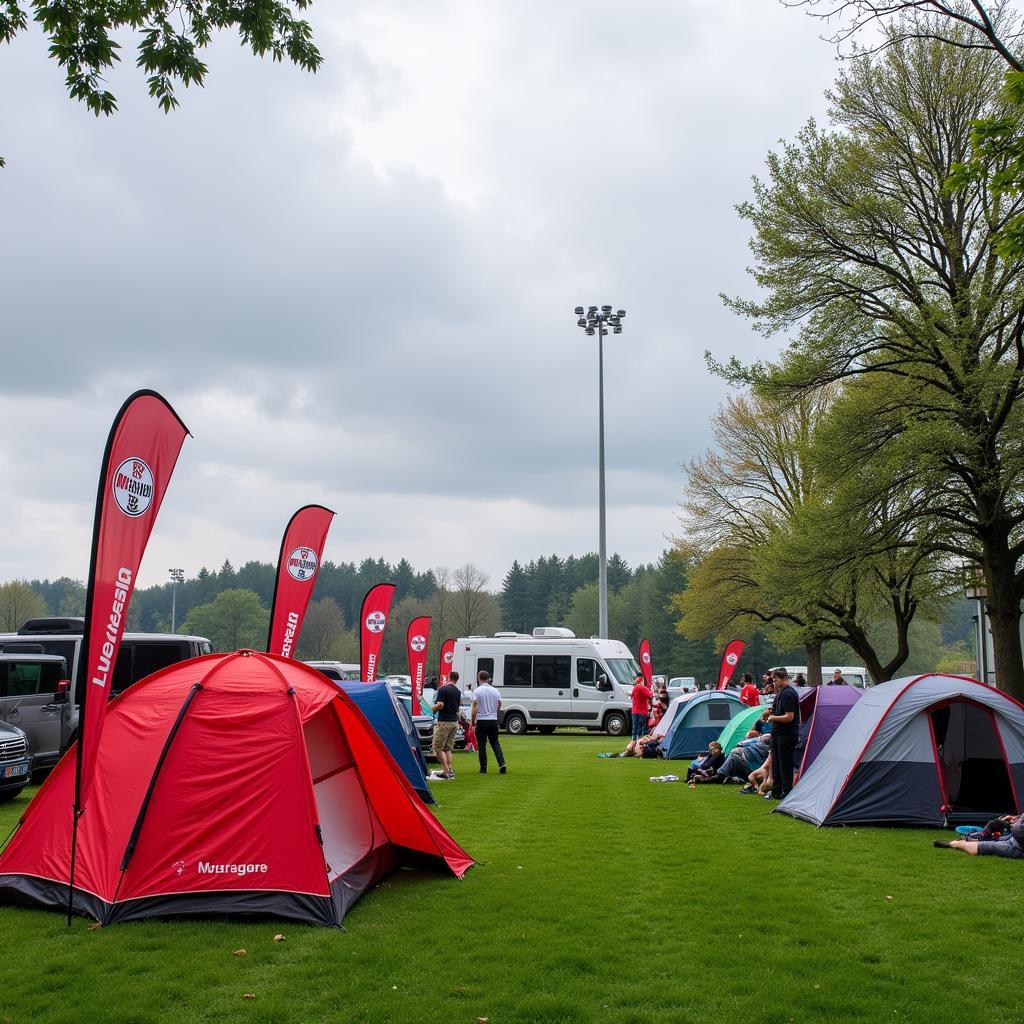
785, 723
709, 764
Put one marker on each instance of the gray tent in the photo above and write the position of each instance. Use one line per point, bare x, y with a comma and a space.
928, 750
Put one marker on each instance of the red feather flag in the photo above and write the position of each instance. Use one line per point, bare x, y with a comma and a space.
141, 453
645, 661
416, 640
142, 450
372, 622
731, 658
302, 550
447, 657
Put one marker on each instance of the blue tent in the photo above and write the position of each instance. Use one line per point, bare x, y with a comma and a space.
393, 724
700, 720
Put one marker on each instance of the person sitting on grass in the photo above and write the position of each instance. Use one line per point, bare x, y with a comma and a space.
648, 746
746, 757
709, 764
760, 780
1010, 844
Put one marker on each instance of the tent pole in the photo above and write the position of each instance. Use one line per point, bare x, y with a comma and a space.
75, 814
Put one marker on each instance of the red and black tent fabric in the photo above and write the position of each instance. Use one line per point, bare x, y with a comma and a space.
241, 784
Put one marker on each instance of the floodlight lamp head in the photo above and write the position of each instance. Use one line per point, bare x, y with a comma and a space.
606, 309
617, 330
578, 311
590, 331
621, 312
591, 309
581, 322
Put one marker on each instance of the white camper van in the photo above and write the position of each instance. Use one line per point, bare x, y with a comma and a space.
552, 678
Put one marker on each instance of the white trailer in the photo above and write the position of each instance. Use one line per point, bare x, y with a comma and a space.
552, 678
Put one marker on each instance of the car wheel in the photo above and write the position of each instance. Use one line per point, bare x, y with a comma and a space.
10, 794
615, 724
515, 723
546, 730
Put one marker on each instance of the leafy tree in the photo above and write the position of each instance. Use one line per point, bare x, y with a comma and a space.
783, 550
514, 596
618, 572
171, 36
891, 278
325, 636
583, 612
965, 24
474, 611
18, 602
404, 579
232, 620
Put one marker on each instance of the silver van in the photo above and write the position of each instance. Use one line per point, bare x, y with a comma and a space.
140, 655
34, 698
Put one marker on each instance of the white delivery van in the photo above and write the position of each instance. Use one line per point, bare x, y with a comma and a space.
552, 678
855, 675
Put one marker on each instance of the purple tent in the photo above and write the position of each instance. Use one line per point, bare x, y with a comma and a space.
830, 706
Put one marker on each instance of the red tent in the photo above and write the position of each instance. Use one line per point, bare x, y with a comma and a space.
240, 784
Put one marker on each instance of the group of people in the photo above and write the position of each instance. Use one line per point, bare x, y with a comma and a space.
764, 761
482, 724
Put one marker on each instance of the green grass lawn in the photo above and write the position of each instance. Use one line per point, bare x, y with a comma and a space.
599, 897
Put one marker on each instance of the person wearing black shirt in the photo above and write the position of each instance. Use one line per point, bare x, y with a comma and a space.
446, 703
785, 722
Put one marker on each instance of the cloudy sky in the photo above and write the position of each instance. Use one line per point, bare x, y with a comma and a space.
357, 287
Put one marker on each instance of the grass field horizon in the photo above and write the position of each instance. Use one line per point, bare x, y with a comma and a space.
598, 897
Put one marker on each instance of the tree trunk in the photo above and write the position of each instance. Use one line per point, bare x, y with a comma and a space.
1003, 608
813, 651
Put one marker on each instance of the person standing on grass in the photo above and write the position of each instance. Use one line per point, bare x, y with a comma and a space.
641, 707
785, 723
446, 704
749, 694
486, 705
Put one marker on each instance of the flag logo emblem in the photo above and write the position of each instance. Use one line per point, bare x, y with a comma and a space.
731, 658
376, 621
418, 643
133, 487
302, 564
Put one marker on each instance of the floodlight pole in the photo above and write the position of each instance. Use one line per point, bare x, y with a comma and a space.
602, 544
177, 576
596, 321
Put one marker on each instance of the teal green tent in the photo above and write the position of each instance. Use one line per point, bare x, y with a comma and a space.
737, 728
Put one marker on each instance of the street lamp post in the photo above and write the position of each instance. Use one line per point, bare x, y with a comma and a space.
177, 576
976, 590
597, 321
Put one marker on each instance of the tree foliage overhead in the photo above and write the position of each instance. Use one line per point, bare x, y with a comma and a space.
171, 35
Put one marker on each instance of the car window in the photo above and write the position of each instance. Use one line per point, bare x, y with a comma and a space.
24, 678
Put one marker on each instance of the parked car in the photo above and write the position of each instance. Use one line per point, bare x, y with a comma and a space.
140, 655
34, 699
15, 761
678, 685
336, 670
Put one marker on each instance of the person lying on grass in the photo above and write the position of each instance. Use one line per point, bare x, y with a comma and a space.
1010, 844
709, 764
646, 746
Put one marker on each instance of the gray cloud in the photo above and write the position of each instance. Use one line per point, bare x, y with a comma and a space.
357, 286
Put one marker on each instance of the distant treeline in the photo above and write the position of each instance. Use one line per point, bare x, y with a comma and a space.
549, 590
